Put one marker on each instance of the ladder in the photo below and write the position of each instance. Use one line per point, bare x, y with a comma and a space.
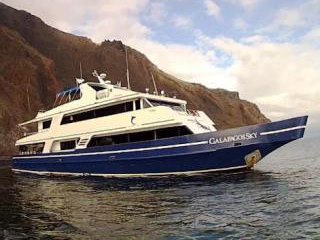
83, 142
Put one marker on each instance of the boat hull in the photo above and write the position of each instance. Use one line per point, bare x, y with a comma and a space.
230, 149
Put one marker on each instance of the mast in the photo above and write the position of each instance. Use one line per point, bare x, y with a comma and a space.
127, 66
28, 97
80, 70
154, 84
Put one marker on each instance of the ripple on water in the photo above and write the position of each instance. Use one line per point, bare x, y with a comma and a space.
278, 200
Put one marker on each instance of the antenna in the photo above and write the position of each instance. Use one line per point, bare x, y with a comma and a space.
127, 65
28, 97
80, 80
154, 84
80, 70
100, 77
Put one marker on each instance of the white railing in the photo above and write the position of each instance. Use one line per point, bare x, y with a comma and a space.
194, 113
25, 134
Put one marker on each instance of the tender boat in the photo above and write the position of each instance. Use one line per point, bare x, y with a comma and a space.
101, 129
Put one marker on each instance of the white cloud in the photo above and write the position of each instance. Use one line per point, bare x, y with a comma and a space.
212, 8
312, 36
108, 19
182, 22
282, 78
101, 19
290, 19
157, 12
247, 4
239, 23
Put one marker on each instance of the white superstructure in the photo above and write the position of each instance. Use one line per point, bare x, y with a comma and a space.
95, 114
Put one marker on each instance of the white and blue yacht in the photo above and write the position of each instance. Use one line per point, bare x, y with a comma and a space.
101, 129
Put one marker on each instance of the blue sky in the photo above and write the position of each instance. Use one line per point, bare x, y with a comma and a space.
268, 50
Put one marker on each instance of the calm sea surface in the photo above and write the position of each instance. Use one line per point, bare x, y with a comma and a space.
280, 199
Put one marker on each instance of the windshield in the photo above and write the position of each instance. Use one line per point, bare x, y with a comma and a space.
174, 106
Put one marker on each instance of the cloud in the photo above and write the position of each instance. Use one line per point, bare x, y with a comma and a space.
282, 78
182, 22
99, 20
312, 36
108, 19
289, 20
212, 8
157, 12
240, 24
246, 4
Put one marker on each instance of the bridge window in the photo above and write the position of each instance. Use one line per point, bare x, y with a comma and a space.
174, 106
100, 112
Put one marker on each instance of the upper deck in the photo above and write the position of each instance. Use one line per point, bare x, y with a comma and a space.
93, 95
92, 110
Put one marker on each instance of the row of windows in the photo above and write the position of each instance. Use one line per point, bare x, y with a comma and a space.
111, 140
139, 136
101, 112
111, 110
31, 148
116, 109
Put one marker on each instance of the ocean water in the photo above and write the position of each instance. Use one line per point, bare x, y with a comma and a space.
279, 199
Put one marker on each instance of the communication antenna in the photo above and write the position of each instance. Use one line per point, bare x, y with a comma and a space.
80, 80
127, 66
28, 97
154, 84
100, 77
80, 70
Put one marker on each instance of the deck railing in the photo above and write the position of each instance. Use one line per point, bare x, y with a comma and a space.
193, 112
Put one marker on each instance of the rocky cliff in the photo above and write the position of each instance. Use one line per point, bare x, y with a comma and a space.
37, 60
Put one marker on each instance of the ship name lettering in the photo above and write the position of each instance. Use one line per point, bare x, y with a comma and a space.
234, 138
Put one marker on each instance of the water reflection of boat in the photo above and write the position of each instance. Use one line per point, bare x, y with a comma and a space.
102, 129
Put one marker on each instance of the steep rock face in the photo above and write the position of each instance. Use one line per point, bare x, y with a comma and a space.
37, 60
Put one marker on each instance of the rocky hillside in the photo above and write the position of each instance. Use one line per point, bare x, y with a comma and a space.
41, 60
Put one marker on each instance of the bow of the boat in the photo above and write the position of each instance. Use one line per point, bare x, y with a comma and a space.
285, 130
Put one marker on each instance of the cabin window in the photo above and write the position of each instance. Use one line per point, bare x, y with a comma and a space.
100, 141
97, 88
174, 106
67, 145
118, 139
138, 105
100, 112
31, 148
46, 124
172, 132
146, 104
128, 106
139, 136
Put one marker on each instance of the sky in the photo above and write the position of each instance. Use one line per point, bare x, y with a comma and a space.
267, 50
